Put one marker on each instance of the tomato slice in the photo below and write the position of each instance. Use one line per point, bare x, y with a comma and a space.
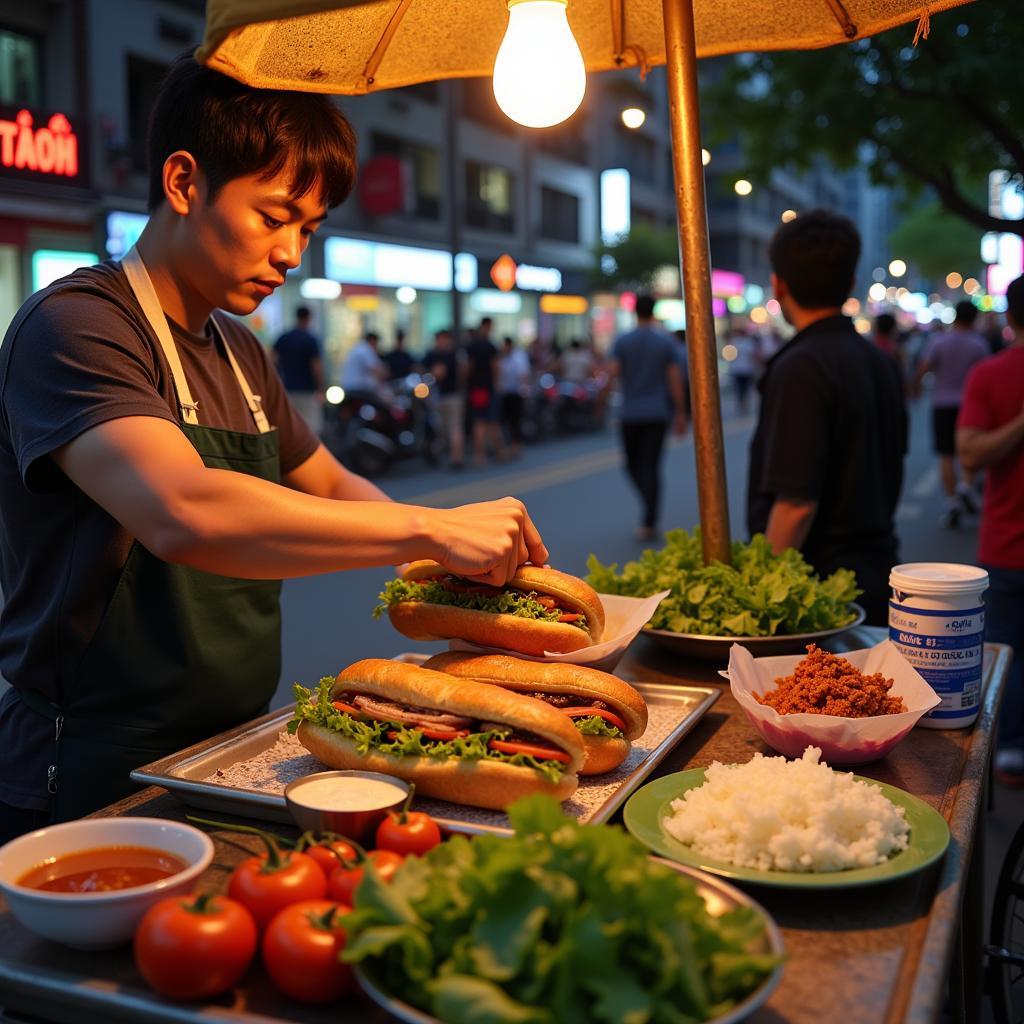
433, 734
348, 709
542, 753
569, 617
546, 602
608, 716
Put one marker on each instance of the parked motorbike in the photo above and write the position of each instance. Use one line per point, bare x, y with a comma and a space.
370, 431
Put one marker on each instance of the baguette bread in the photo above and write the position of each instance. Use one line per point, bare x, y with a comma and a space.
421, 620
479, 782
602, 753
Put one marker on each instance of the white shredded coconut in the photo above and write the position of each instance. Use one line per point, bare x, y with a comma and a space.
771, 814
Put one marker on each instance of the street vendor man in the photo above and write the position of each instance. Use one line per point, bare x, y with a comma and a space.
157, 485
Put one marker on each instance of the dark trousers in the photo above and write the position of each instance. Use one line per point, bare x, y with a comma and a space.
871, 567
643, 442
1004, 624
16, 821
511, 411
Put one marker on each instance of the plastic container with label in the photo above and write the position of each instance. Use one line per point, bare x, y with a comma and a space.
937, 620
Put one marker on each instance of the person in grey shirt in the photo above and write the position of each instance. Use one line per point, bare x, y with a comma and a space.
646, 364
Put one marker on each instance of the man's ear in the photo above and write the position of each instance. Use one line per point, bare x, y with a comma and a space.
180, 180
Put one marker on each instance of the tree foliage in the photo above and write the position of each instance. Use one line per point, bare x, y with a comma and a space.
936, 242
633, 260
940, 115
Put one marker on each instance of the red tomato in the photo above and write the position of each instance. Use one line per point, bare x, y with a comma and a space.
543, 753
301, 949
194, 947
408, 833
344, 882
347, 708
608, 716
321, 853
265, 887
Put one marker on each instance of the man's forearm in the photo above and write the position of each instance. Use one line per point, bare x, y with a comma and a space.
353, 487
238, 525
978, 449
789, 523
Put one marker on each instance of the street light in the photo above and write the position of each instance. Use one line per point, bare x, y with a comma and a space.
743, 187
633, 117
705, 156
971, 286
897, 268
954, 280
539, 78
876, 293
788, 215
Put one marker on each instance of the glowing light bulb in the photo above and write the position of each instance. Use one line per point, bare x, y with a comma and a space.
897, 268
705, 156
539, 79
633, 117
743, 187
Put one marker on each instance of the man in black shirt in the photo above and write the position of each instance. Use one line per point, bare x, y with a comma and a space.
826, 460
300, 363
481, 391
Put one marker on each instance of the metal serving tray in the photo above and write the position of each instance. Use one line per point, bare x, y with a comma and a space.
673, 712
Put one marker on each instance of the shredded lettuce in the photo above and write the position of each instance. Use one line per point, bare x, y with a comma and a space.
595, 725
760, 594
509, 602
316, 707
560, 924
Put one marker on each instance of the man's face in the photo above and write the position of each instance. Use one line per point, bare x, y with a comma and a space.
240, 246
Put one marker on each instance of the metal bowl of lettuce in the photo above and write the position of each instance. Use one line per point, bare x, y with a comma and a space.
556, 923
716, 648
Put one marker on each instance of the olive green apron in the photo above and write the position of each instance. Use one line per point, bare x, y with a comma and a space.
180, 654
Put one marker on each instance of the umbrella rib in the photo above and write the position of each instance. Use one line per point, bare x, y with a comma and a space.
385, 41
840, 14
618, 29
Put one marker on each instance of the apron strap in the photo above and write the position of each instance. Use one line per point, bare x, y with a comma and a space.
138, 278
255, 402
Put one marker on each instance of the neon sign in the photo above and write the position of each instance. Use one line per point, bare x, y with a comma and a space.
50, 148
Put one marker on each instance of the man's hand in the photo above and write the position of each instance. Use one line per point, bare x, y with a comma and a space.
487, 542
789, 523
679, 424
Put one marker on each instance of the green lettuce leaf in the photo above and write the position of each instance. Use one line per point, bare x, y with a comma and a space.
560, 923
510, 602
595, 725
407, 742
760, 594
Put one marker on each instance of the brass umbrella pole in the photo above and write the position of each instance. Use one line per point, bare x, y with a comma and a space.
695, 256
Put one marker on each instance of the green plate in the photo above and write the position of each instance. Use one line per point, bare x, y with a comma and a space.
648, 806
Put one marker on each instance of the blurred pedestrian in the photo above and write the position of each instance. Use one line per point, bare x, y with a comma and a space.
887, 340
744, 368
513, 387
826, 459
299, 360
683, 356
990, 437
364, 374
398, 361
447, 364
577, 363
949, 356
644, 361
481, 394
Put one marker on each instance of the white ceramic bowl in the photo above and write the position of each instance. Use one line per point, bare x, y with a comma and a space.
97, 920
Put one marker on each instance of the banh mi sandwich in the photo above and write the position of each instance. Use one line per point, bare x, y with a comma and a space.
607, 712
538, 610
457, 739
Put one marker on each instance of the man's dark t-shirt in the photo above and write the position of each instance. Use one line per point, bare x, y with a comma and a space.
296, 351
398, 362
82, 356
833, 429
481, 354
448, 383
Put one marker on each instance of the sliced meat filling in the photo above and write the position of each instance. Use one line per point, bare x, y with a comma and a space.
569, 700
406, 714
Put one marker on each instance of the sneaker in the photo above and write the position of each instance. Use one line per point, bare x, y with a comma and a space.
966, 497
950, 519
1009, 767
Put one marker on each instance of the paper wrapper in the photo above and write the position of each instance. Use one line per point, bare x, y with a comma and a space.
843, 741
624, 617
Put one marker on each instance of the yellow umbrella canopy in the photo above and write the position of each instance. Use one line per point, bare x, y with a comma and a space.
357, 46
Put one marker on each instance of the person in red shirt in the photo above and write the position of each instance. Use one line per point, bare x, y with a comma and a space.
990, 436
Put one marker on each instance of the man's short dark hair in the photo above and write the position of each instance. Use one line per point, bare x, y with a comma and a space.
372, 337
302, 313
816, 255
1015, 302
486, 323
644, 307
966, 313
234, 130
885, 323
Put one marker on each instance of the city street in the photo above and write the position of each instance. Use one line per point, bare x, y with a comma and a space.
580, 499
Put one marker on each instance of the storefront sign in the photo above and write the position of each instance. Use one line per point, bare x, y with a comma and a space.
382, 185
726, 282
566, 305
50, 264
355, 261
38, 146
123, 230
507, 274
